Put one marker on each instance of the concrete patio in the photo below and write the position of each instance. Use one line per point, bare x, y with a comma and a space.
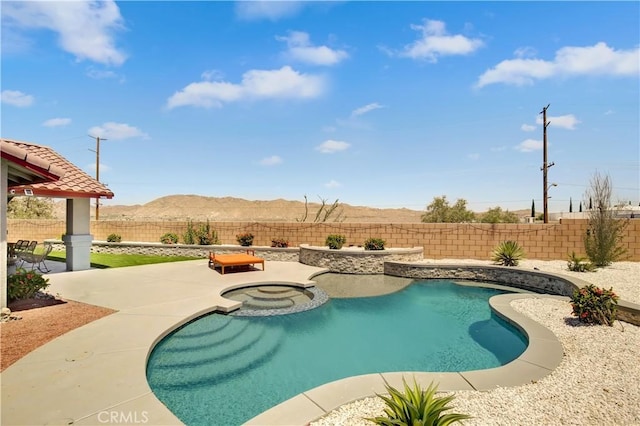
96, 374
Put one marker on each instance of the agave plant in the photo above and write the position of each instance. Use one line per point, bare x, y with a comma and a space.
508, 253
417, 407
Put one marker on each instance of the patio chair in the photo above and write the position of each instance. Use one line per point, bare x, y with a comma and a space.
37, 259
25, 246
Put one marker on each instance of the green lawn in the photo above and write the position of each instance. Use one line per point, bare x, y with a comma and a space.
106, 260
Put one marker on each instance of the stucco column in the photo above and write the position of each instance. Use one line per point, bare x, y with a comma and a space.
4, 177
78, 239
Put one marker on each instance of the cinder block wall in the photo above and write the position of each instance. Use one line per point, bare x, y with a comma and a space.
457, 241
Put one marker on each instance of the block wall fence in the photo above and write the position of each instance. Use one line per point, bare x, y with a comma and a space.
553, 241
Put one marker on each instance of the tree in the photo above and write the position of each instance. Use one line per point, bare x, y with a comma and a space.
580, 207
324, 213
439, 211
30, 208
603, 239
497, 215
570, 205
533, 208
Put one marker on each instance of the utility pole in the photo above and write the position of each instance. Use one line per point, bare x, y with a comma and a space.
97, 151
545, 165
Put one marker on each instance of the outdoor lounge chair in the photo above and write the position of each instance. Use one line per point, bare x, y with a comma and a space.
234, 260
37, 260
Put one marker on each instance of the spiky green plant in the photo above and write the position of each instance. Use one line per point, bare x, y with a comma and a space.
417, 407
579, 264
508, 253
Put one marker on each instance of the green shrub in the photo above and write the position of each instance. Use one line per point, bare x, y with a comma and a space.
279, 242
205, 236
114, 238
417, 407
25, 284
374, 244
169, 238
335, 241
190, 236
508, 253
245, 239
594, 305
579, 264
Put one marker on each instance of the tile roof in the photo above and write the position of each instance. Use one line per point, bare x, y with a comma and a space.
74, 183
27, 168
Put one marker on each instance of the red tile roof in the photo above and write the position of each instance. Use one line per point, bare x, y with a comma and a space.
74, 183
27, 168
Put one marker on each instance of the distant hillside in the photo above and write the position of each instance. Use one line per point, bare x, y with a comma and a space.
225, 209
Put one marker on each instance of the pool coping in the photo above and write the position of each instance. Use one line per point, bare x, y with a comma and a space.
100, 369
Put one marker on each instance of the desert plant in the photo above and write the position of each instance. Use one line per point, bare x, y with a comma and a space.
335, 241
508, 253
25, 284
324, 212
114, 238
374, 244
579, 264
603, 239
190, 235
205, 236
169, 238
279, 242
416, 406
594, 305
245, 239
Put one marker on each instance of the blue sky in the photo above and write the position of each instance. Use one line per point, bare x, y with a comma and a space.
384, 104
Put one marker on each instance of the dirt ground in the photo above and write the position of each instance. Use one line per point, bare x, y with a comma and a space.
42, 320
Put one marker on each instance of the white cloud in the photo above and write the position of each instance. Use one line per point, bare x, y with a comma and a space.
57, 122
365, 109
435, 42
598, 59
331, 146
16, 98
85, 28
527, 128
609, 112
212, 75
332, 184
301, 49
568, 121
117, 131
529, 145
525, 52
255, 84
267, 9
100, 74
274, 160
498, 148
473, 156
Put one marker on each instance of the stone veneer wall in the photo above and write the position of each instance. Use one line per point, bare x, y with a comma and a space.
356, 260
539, 282
553, 241
289, 254
536, 281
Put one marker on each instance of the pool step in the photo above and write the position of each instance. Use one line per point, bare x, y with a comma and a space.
268, 303
259, 294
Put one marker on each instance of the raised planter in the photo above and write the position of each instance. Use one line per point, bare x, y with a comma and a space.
289, 254
356, 260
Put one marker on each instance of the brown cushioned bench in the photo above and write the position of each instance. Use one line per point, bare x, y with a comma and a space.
225, 260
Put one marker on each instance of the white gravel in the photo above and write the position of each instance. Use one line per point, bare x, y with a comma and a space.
597, 382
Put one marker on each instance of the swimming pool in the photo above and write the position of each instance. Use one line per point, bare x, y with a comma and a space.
224, 370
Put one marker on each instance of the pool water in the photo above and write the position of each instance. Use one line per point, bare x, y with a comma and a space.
224, 370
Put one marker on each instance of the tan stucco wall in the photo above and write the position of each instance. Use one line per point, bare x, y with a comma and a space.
471, 241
